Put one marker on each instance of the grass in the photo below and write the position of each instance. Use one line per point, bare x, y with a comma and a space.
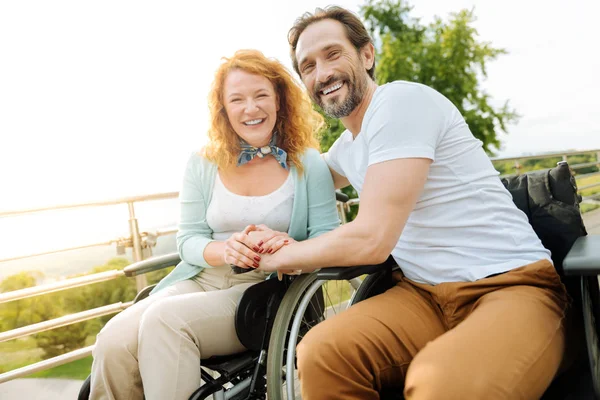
590, 180
79, 369
588, 207
22, 352
336, 292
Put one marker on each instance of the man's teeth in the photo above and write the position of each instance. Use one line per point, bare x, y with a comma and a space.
254, 122
332, 88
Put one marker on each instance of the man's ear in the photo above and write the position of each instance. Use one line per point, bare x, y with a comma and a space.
367, 56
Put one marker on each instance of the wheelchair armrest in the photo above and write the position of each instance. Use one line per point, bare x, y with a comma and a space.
584, 257
346, 273
343, 197
151, 264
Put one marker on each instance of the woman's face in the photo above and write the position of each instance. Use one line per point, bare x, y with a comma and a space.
251, 105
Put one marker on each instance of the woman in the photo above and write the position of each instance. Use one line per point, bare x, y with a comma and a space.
260, 166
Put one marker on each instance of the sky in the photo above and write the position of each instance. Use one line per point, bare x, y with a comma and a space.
101, 100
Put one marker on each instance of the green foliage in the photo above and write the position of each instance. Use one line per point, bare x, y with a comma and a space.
446, 56
53, 305
15, 314
155, 276
79, 369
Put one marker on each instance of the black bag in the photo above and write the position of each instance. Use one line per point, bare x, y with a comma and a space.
549, 199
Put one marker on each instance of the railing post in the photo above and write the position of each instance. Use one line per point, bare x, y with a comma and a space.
140, 280
598, 158
564, 157
517, 167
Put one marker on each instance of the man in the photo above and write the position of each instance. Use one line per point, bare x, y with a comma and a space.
478, 312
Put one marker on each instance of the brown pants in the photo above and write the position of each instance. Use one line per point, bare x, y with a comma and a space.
501, 337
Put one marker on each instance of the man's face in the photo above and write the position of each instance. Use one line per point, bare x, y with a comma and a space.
331, 68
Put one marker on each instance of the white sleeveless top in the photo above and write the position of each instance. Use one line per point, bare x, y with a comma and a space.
228, 212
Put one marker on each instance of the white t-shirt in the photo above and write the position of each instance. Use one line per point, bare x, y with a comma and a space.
465, 225
228, 212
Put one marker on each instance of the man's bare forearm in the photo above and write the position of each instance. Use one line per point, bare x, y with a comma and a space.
351, 244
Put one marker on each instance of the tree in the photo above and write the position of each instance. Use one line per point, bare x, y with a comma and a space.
59, 341
17, 313
446, 56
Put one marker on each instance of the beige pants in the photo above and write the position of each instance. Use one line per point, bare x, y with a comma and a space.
501, 337
154, 347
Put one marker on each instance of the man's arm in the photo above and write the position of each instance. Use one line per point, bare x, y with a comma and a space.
390, 192
339, 181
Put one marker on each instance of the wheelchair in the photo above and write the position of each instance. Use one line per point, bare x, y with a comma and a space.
550, 201
273, 316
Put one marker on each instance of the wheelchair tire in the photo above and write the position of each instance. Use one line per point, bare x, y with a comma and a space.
84, 392
590, 293
276, 389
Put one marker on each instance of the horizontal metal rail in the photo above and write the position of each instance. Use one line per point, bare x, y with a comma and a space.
46, 364
85, 246
114, 202
587, 175
60, 285
63, 321
585, 165
588, 186
540, 156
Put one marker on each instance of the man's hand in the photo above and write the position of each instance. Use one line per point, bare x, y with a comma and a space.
267, 239
273, 263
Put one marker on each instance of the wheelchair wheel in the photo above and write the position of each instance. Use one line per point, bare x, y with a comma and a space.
84, 392
590, 292
307, 302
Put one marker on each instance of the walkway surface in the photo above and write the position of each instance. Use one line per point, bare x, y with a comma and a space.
40, 389
592, 221
61, 389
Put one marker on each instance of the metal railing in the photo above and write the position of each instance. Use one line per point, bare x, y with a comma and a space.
139, 241
564, 156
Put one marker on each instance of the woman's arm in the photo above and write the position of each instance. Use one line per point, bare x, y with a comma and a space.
322, 211
194, 238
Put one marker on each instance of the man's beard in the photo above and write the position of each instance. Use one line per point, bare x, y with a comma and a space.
340, 108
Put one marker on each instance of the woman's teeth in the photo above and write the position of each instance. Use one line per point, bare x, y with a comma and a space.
254, 122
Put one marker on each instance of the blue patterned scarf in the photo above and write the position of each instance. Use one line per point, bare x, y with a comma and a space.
248, 152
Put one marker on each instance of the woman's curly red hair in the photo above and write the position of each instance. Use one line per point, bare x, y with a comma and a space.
297, 125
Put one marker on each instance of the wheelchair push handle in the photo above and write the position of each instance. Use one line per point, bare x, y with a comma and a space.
342, 197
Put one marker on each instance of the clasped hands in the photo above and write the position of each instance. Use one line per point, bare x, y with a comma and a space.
246, 249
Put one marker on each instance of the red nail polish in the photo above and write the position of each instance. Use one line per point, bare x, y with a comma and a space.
256, 265
286, 241
270, 250
257, 258
255, 248
260, 243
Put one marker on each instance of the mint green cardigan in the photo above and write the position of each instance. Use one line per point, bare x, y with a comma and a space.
313, 212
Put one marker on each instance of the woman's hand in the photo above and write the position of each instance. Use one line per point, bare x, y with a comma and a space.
269, 240
239, 250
